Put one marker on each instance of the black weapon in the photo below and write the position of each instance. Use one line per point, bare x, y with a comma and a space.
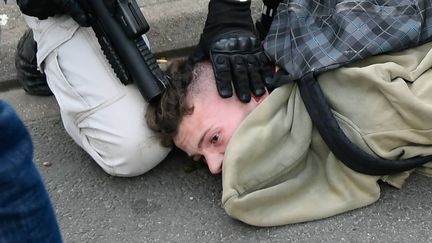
119, 26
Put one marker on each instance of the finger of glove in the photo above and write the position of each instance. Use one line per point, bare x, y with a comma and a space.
266, 69
240, 78
77, 13
255, 80
222, 73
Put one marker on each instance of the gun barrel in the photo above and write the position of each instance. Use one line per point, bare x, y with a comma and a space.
147, 83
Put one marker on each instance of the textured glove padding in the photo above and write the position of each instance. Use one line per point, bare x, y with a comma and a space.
229, 41
43, 9
238, 58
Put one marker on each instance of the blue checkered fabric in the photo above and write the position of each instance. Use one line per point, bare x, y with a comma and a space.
319, 35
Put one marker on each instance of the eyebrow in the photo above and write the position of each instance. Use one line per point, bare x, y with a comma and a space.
202, 138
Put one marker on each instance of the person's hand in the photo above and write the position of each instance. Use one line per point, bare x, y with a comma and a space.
229, 41
238, 61
43, 9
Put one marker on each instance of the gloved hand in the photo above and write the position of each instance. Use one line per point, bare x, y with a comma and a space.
237, 58
43, 9
229, 41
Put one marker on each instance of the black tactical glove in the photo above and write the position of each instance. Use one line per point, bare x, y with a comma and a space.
238, 58
229, 41
43, 9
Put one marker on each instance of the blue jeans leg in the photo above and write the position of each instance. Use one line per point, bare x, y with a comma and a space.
26, 214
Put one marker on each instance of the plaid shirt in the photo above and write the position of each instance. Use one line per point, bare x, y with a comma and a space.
319, 35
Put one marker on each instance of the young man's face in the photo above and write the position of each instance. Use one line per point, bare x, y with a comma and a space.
207, 131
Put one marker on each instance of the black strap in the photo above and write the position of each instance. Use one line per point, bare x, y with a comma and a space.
346, 151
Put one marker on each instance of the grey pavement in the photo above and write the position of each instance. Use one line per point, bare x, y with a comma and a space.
179, 201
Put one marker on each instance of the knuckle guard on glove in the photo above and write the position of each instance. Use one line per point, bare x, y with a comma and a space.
229, 32
240, 78
266, 70
222, 73
256, 83
240, 47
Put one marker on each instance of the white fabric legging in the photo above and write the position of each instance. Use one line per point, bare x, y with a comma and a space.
102, 115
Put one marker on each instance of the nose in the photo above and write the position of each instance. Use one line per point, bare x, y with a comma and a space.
214, 161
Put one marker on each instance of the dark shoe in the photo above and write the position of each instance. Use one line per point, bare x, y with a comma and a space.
32, 81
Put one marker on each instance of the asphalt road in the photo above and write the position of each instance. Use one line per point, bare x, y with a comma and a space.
173, 203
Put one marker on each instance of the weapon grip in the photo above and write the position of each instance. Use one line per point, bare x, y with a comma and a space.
145, 73
106, 44
111, 55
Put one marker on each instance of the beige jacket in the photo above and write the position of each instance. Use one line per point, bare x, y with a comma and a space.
277, 169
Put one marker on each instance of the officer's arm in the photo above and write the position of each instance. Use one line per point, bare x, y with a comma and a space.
43, 9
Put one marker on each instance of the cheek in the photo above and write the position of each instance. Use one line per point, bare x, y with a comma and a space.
232, 125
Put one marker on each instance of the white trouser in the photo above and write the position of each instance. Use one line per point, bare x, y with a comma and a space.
102, 115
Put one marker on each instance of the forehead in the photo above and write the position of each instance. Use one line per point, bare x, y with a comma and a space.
192, 125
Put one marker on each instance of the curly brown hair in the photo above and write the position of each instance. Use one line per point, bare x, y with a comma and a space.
164, 114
